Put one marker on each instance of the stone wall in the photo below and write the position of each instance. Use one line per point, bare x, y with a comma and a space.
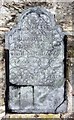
10, 10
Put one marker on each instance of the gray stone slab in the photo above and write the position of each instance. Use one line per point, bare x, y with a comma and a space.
20, 99
35, 47
13, 102
47, 99
26, 98
36, 54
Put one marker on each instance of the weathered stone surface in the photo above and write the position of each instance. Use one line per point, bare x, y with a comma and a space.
20, 98
48, 99
36, 54
5, 15
63, 18
62, 108
13, 98
36, 49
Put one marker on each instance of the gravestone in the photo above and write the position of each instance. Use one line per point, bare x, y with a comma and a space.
36, 68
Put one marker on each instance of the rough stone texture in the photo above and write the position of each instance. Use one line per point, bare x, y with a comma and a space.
47, 99
20, 99
73, 84
5, 15
63, 14
36, 54
41, 43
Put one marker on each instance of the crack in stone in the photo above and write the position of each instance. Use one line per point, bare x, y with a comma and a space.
33, 94
18, 86
19, 100
59, 106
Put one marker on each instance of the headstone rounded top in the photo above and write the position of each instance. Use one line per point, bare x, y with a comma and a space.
35, 18
37, 44
39, 11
